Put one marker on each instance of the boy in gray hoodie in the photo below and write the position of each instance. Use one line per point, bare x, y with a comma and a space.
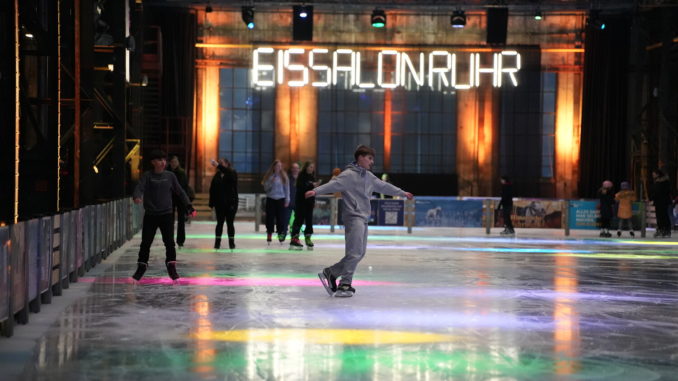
356, 184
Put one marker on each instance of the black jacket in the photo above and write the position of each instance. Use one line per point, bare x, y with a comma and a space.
606, 203
224, 189
304, 184
661, 191
506, 196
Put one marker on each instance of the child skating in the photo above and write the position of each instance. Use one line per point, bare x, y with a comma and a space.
356, 184
155, 189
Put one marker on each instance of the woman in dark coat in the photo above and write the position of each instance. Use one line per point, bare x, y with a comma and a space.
303, 212
661, 198
224, 200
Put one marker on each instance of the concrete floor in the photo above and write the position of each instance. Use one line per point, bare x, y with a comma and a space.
439, 304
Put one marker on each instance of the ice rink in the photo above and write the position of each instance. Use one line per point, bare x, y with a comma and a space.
438, 304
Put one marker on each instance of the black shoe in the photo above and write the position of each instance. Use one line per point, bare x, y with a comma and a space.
346, 288
217, 243
141, 269
172, 270
331, 279
231, 243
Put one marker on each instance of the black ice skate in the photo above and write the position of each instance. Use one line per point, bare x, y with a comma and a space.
344, 291
172, 270
269, 238
295, 244
217, 243
141, 269
231, 243
328, 280
309, 243
281, 238
507, 232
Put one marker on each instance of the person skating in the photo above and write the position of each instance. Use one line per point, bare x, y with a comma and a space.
506, 205
224, 200
303, 213
606, 198
356, 184
277, 190
660, 195
156, 189
180, 173
625, 197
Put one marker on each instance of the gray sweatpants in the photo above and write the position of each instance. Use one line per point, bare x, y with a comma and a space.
356, 244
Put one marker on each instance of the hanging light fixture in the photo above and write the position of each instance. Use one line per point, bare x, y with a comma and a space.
378, 18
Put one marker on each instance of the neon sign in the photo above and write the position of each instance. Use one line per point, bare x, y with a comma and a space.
384, 69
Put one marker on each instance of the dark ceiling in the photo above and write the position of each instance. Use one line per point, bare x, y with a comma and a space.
430, 5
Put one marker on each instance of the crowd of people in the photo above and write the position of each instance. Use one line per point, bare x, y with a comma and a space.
290, 200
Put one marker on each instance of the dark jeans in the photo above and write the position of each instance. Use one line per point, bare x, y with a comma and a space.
663, 219
227, 214
181, 224
275, 214
151, 223
303, 215
506, 210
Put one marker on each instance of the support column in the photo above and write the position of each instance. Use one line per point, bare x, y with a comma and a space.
207, 125
568, 132
477, 131
296, 120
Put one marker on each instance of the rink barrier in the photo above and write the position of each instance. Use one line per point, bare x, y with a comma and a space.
458, 212
41, 257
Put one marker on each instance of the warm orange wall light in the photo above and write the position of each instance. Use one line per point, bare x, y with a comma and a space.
208, 123
388, 100
567, 134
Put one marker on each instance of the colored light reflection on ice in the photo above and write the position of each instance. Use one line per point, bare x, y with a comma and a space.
326, 336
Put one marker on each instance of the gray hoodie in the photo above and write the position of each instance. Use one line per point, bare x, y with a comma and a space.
356, 185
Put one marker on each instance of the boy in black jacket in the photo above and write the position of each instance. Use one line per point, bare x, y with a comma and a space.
156, 188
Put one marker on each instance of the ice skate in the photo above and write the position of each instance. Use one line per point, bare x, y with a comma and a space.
633, 235
172, 270
269, 238
295, 244
217, 243
344, 291
231, 243
141, 269
328, 280
309, 243
281, 238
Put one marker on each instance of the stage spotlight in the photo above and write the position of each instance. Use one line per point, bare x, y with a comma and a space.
595, 21
302, 27
248, 16
538, 15
458, 19
378, 18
